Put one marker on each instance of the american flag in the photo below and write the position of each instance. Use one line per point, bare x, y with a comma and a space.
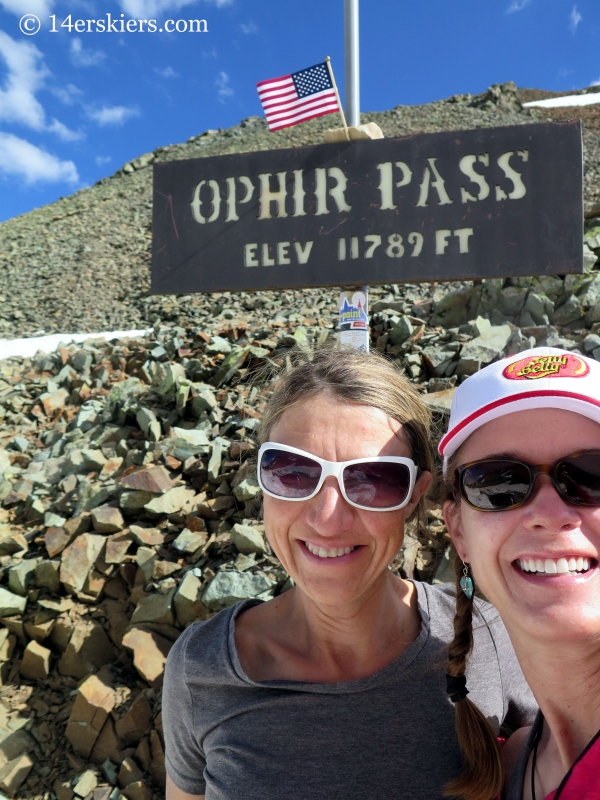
298, 97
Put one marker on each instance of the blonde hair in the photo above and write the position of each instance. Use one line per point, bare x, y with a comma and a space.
352, 376
482, 774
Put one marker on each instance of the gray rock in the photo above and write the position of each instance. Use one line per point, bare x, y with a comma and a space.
52, 520
401, 331
413, 363
229, 587
78, 559
589, 258
456, 308
518, 342
247, 489
172, 501
590, 295
21, 575
11, 541
441, 402
149, 424
157, 608
203, 399
81, 361
445, 572
485, 348
383, 305
189, 541
47, 576
439, 362
188, 602
11, 604
107, 519
218, 345
171, 375
93, 460
145, 558
186, 443
568, 312
19, 443
248, 539
512, 300
539, 308
216, 455
591, 342
554, 340
593, 315
135, 500
550, 285
527, 321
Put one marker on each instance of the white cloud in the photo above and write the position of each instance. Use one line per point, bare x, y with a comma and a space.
68, 95
41, 8
151, 9
102, 160
22, 159
212, 53
167, 72
595, 83
112, 115
85, 58
517, 5
64, 133
222, 83
250, 27
574, 19
26, 75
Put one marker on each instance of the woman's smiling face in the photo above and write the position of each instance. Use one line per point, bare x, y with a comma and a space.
544, 605
337, 431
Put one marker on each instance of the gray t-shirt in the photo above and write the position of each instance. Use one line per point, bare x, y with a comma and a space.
389, 736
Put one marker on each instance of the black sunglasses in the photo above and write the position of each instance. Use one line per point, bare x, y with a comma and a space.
499, 484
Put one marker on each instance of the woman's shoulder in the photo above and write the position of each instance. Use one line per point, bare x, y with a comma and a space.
204, 644
441, 599
438, 601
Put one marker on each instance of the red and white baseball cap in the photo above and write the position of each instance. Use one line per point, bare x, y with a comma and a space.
543, 377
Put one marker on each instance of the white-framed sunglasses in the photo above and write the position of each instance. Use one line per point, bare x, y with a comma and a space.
377, 483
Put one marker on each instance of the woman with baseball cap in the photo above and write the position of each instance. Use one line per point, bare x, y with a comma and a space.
522, 473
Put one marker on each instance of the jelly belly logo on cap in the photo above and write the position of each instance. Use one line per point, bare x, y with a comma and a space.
528, 369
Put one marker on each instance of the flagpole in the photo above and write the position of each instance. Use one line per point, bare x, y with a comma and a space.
337, 95
352, 65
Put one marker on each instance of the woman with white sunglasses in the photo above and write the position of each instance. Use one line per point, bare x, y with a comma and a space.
337, 688
522, 465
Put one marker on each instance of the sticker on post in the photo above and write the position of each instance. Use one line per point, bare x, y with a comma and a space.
354, 318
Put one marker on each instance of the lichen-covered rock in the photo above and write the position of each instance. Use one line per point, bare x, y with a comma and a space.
229, 587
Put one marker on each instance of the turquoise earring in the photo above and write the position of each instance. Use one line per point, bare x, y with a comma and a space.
466, 582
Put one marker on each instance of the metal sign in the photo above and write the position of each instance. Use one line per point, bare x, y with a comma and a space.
458, 205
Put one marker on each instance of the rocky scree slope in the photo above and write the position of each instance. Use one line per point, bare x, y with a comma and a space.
129, 506
83, 263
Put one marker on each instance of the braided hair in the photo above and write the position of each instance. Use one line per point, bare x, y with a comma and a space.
482, 774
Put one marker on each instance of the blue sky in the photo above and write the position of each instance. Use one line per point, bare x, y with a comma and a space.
75, 106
